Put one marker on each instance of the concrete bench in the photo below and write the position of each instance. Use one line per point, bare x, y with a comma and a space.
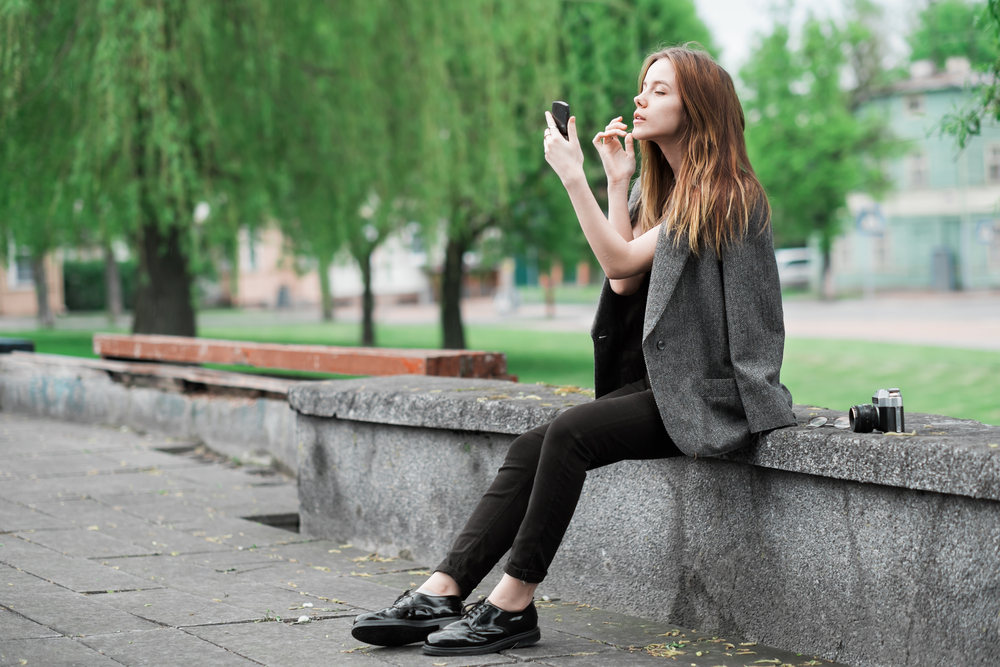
868, 549
315, 358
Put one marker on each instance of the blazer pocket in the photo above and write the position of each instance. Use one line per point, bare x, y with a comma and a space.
718, 387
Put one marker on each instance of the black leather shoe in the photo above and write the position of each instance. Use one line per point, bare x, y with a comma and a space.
410, 619
485, 629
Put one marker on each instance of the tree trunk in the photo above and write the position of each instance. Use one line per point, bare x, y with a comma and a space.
451, 295
326, 294
828, 289
549, 290
367, 301
112, 285
46, 319
163, 293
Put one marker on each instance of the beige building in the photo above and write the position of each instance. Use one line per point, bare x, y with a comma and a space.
17, 286
270, 276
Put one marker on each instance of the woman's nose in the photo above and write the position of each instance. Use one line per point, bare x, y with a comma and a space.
638, 100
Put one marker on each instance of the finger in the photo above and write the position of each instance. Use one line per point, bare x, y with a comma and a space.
550, 121
629, 145
571, 128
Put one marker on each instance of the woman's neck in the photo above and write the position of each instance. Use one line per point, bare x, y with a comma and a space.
673, 152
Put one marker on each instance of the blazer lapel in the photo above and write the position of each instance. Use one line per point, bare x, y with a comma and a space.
668, 264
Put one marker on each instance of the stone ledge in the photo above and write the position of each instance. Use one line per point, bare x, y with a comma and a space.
489, 406
945, 455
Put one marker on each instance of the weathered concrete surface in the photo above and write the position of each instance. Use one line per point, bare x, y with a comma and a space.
492, 406
846, 561
207, 605
943, 454
246, 428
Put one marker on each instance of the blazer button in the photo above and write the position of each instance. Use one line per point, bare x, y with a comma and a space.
660, 345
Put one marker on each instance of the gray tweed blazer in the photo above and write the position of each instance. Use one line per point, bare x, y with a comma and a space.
713, 339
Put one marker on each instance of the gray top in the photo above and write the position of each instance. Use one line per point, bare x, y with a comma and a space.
713, 339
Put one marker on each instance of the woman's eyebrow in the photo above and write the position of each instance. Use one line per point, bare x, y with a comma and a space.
658, 81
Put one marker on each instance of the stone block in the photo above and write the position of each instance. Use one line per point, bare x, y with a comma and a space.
62, 610
285, 645
77, 574
58, 651
164, 647
72, 391
14, 517
84, 543
178, 609
16, 626
429, 402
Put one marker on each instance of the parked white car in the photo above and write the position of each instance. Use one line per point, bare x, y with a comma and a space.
795, 266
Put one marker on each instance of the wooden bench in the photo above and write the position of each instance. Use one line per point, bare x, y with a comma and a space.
315, 358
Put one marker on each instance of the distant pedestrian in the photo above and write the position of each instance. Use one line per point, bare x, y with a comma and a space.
688, 343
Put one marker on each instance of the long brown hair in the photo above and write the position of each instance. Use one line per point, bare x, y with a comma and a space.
711, 199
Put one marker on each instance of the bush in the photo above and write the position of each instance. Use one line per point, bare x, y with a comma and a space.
83, 285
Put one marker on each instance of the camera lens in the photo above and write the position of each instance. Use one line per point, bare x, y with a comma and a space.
864, 418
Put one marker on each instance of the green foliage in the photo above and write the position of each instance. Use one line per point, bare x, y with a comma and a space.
84, 287
808, 147
948, 28
965, 123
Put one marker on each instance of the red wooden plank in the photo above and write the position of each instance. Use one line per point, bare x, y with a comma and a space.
319, 358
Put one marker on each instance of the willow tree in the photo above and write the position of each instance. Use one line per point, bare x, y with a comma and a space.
355, 83
493, 76
150, 107
36, 212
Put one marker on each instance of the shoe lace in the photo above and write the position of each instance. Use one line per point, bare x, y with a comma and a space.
404, 595
474, 610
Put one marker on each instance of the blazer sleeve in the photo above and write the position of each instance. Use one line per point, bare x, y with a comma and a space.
756, 326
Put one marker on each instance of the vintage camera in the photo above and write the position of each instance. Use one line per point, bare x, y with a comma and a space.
885, 413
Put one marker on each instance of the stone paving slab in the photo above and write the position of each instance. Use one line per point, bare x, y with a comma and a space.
60, 609
162, 508
15, 517
285, 645
84, 543
115, 522
199, 581
220, 477
77, 574
338, 632
149, 458
164, 647
51, 652
178, 609
15, 626
235, 532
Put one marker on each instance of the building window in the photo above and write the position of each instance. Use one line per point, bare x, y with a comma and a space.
914, 105
992, 163
19, 270
918, 169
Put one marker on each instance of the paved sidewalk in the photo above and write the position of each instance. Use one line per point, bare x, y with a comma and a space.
124, 549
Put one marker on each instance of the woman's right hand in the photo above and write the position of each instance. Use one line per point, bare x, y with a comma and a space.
619, 162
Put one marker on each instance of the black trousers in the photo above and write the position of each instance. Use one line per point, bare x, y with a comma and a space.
530, 503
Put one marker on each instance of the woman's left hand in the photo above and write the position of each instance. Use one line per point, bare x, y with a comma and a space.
619, 163
565, 155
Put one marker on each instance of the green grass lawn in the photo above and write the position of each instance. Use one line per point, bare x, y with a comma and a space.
827, 373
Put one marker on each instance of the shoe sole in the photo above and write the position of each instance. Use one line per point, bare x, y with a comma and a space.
390, 632
523, 639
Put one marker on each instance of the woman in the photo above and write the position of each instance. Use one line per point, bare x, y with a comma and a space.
692, 369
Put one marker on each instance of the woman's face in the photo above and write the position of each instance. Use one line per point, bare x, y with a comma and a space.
659, 114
